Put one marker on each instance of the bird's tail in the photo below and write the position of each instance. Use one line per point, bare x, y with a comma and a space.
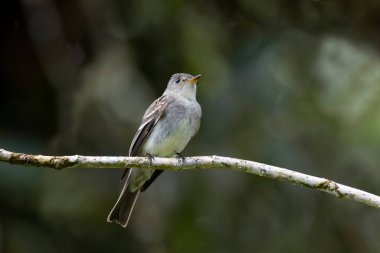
122, 210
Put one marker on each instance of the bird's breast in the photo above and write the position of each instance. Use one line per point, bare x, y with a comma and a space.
173, 131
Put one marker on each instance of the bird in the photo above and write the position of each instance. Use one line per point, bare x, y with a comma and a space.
167, 126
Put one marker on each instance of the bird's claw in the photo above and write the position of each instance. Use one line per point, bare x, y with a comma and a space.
181, 158
150, 158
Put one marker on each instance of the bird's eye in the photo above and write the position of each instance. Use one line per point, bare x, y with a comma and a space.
177, 80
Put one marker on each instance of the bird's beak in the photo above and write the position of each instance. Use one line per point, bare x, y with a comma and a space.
195, 79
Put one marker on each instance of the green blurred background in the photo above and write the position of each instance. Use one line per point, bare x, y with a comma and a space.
294, 84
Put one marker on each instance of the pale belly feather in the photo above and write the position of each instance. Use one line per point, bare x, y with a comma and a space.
167, 142
169, 136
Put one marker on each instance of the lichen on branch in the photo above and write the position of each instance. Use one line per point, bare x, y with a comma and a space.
196, 162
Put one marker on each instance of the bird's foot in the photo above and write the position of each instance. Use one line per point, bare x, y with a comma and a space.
181, 158
150, 158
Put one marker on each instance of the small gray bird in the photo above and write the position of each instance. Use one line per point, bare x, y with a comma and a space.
166, 128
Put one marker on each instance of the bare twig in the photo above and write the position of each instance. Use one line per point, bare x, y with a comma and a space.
197, 162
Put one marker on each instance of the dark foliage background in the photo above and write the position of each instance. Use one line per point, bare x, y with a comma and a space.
289, 83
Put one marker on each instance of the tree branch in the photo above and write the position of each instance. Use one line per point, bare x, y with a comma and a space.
197, 162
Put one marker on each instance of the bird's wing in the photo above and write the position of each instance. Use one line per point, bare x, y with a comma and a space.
149, 120
155, 175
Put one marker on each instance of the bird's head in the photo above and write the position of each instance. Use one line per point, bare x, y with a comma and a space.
183, 84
